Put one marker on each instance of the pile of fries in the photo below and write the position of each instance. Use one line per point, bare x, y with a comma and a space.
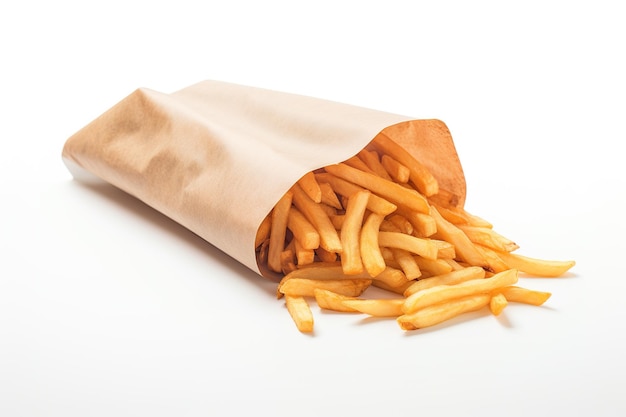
375, 220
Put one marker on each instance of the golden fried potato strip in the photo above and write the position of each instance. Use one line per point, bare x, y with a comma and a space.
300, 312
351, 233
438, 313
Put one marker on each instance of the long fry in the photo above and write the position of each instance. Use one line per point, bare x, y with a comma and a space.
351, 233
443, 293
534, 266
373, 260
439, 313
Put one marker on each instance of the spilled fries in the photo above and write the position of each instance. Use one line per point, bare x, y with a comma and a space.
375, 220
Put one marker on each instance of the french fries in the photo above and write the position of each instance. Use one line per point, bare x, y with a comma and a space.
376, 220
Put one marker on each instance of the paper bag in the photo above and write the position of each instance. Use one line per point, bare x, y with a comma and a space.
216, 157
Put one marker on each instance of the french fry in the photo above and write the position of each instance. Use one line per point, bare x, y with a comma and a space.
439, 313
419, 174
357, 163
494, 262
401, 223
442, 293
445, 250
497, 304
449, 278
287, 260
389, 190
373, 260
345, 188
423, 247
351, 233
406, 262
309, 185
379, 219
459, 216
395, 289
391, 276
489, 238
523, 295
433, 266
371, 159
391, 307
329, 300
300, 313
329, 197
398, 172
324, 255
299, 287
318, 270
455, 265
304, 256
474, 220
315, 214
534, 266
303, 231
423, 224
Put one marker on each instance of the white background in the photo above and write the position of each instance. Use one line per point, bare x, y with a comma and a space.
109, 309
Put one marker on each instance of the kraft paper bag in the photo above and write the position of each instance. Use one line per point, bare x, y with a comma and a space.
216, 157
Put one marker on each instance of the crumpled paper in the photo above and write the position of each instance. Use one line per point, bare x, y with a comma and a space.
216, 157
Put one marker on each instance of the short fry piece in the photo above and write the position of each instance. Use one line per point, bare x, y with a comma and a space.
396, 170
311, 187
497, 304
300, 313
439, 313
524, 295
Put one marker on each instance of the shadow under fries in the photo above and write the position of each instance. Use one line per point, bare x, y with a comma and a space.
148, 214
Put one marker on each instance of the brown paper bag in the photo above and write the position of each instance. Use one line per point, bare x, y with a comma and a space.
216, 157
